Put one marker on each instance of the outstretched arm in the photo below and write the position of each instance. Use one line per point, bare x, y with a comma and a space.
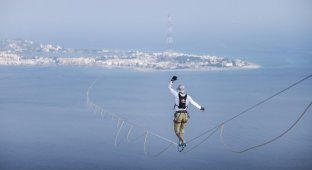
196, 104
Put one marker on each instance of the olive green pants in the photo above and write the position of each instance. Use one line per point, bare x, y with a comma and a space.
180, 120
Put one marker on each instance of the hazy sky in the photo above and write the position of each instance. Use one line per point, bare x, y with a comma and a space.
198, 25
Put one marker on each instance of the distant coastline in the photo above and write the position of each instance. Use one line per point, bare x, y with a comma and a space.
25, 52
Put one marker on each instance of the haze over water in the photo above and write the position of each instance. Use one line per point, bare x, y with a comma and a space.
46, 124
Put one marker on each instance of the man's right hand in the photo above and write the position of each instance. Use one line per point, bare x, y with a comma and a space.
174, 78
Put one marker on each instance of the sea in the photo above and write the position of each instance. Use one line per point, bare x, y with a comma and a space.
47, 121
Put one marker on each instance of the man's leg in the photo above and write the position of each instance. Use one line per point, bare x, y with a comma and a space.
184, 118
181, 137
182, 132
177, 128
177, 124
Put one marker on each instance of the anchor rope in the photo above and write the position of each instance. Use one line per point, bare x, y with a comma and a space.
264, 143
250, 108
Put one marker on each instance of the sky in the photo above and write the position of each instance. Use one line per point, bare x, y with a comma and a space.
200, 26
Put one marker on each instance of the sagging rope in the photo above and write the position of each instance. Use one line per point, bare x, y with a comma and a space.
121, 123
264, 143
221, 125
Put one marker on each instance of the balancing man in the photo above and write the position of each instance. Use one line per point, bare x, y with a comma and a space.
181, 115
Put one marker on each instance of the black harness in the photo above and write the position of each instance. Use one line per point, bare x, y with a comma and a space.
182, 103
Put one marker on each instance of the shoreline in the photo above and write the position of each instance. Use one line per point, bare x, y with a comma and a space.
204, 69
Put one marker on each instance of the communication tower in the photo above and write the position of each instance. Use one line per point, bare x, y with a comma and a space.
169, 40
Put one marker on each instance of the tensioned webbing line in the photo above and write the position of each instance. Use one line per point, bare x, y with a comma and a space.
221, 125
210, 131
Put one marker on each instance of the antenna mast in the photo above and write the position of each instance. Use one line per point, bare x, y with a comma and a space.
169, 40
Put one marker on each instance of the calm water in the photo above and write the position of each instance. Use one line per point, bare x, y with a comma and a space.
46, 124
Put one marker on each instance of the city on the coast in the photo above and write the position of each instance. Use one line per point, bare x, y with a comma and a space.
25, 52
